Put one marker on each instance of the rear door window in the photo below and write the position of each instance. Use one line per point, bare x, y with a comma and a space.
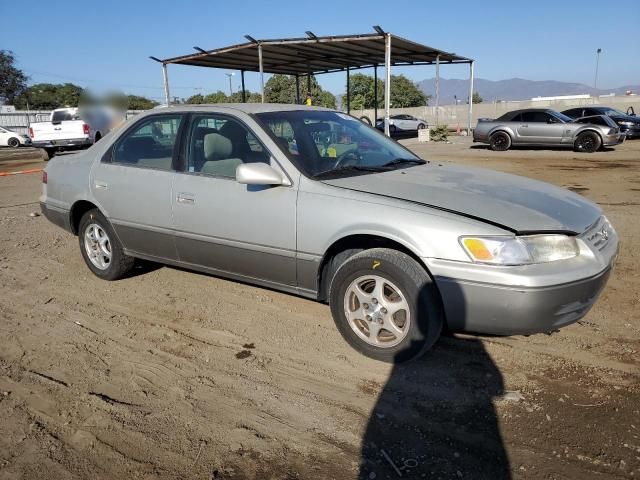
150, 144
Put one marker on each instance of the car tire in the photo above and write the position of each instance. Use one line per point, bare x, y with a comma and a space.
393, 129
402, 284
97, 138
13, 142
50, 153
587, 142
421, 126
500, 142
100, 247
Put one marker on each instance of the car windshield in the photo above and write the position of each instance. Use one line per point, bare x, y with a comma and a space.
326, 143
562, 117
611, 112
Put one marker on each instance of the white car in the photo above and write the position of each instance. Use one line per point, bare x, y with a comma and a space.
402, 123
9, 138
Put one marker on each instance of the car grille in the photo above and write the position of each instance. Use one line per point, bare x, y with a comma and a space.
597, 235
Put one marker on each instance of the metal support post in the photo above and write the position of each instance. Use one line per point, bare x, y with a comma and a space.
470, 97
437, 90
244, 93
165, 77
261, 72
387, 83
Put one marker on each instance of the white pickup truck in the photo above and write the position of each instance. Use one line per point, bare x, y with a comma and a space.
69, 128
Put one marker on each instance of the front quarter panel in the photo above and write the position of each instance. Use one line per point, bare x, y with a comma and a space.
327, 214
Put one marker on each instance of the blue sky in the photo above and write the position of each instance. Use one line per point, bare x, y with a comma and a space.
105, 45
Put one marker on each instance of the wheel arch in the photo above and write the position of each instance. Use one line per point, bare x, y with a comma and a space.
358, 242
78, 209
501, 129
588, 129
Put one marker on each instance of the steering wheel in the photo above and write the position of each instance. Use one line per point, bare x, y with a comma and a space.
350, 157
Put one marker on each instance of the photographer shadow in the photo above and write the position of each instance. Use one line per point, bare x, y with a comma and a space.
435, 418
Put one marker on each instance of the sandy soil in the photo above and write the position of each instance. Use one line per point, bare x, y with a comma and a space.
173, 374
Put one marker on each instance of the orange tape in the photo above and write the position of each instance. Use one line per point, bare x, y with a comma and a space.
33, 170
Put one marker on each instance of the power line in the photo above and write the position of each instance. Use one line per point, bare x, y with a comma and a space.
99, 82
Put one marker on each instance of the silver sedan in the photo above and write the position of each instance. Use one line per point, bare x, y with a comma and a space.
544, 127
313, 202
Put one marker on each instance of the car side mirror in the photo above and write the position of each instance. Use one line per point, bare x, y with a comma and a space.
259, 174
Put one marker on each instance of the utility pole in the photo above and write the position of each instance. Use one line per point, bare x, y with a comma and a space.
595, 81
230, 87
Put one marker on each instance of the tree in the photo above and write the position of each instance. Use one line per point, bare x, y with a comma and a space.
196, 99
216, 97
47, 96
282, 89
404, 93
476, 98
137, 102
13, 82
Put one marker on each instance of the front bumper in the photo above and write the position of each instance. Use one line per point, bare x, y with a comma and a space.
499, 310
66, 143
526, 299
611, 140
631, 132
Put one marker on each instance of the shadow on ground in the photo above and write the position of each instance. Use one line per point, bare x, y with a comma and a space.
435, 418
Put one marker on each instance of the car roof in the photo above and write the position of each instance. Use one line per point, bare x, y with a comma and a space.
524, 110
242, 107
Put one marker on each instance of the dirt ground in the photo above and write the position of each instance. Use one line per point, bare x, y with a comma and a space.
172, 374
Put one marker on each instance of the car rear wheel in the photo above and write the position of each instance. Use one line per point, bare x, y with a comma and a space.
13, 142
100, 247
385, 305
588, 142
421, 126
500, 142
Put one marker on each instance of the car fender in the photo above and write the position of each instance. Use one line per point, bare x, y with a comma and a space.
502, 128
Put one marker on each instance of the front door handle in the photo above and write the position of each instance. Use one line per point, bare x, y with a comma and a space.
186, 198
101, 185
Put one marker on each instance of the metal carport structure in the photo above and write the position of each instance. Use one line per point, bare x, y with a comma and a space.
314, 55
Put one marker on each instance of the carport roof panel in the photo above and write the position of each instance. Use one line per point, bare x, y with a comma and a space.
317, 55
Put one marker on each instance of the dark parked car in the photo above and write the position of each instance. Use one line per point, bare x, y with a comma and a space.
629, 124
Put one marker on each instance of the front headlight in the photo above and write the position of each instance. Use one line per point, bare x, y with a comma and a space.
626, 124
503, 250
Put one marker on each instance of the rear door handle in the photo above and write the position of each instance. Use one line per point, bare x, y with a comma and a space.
101, 185
186, 198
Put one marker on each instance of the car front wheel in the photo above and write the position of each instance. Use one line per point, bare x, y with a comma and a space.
101, 249
385, 305
13, 142
588, 142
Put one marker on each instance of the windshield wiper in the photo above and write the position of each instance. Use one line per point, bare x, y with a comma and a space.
350, 168
404, 161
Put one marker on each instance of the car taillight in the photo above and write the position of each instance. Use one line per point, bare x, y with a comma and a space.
31, 132
44, 177
85, 128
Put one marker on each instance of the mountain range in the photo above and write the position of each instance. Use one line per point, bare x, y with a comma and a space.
512, 89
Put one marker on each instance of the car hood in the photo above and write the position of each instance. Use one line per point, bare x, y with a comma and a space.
517, 203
